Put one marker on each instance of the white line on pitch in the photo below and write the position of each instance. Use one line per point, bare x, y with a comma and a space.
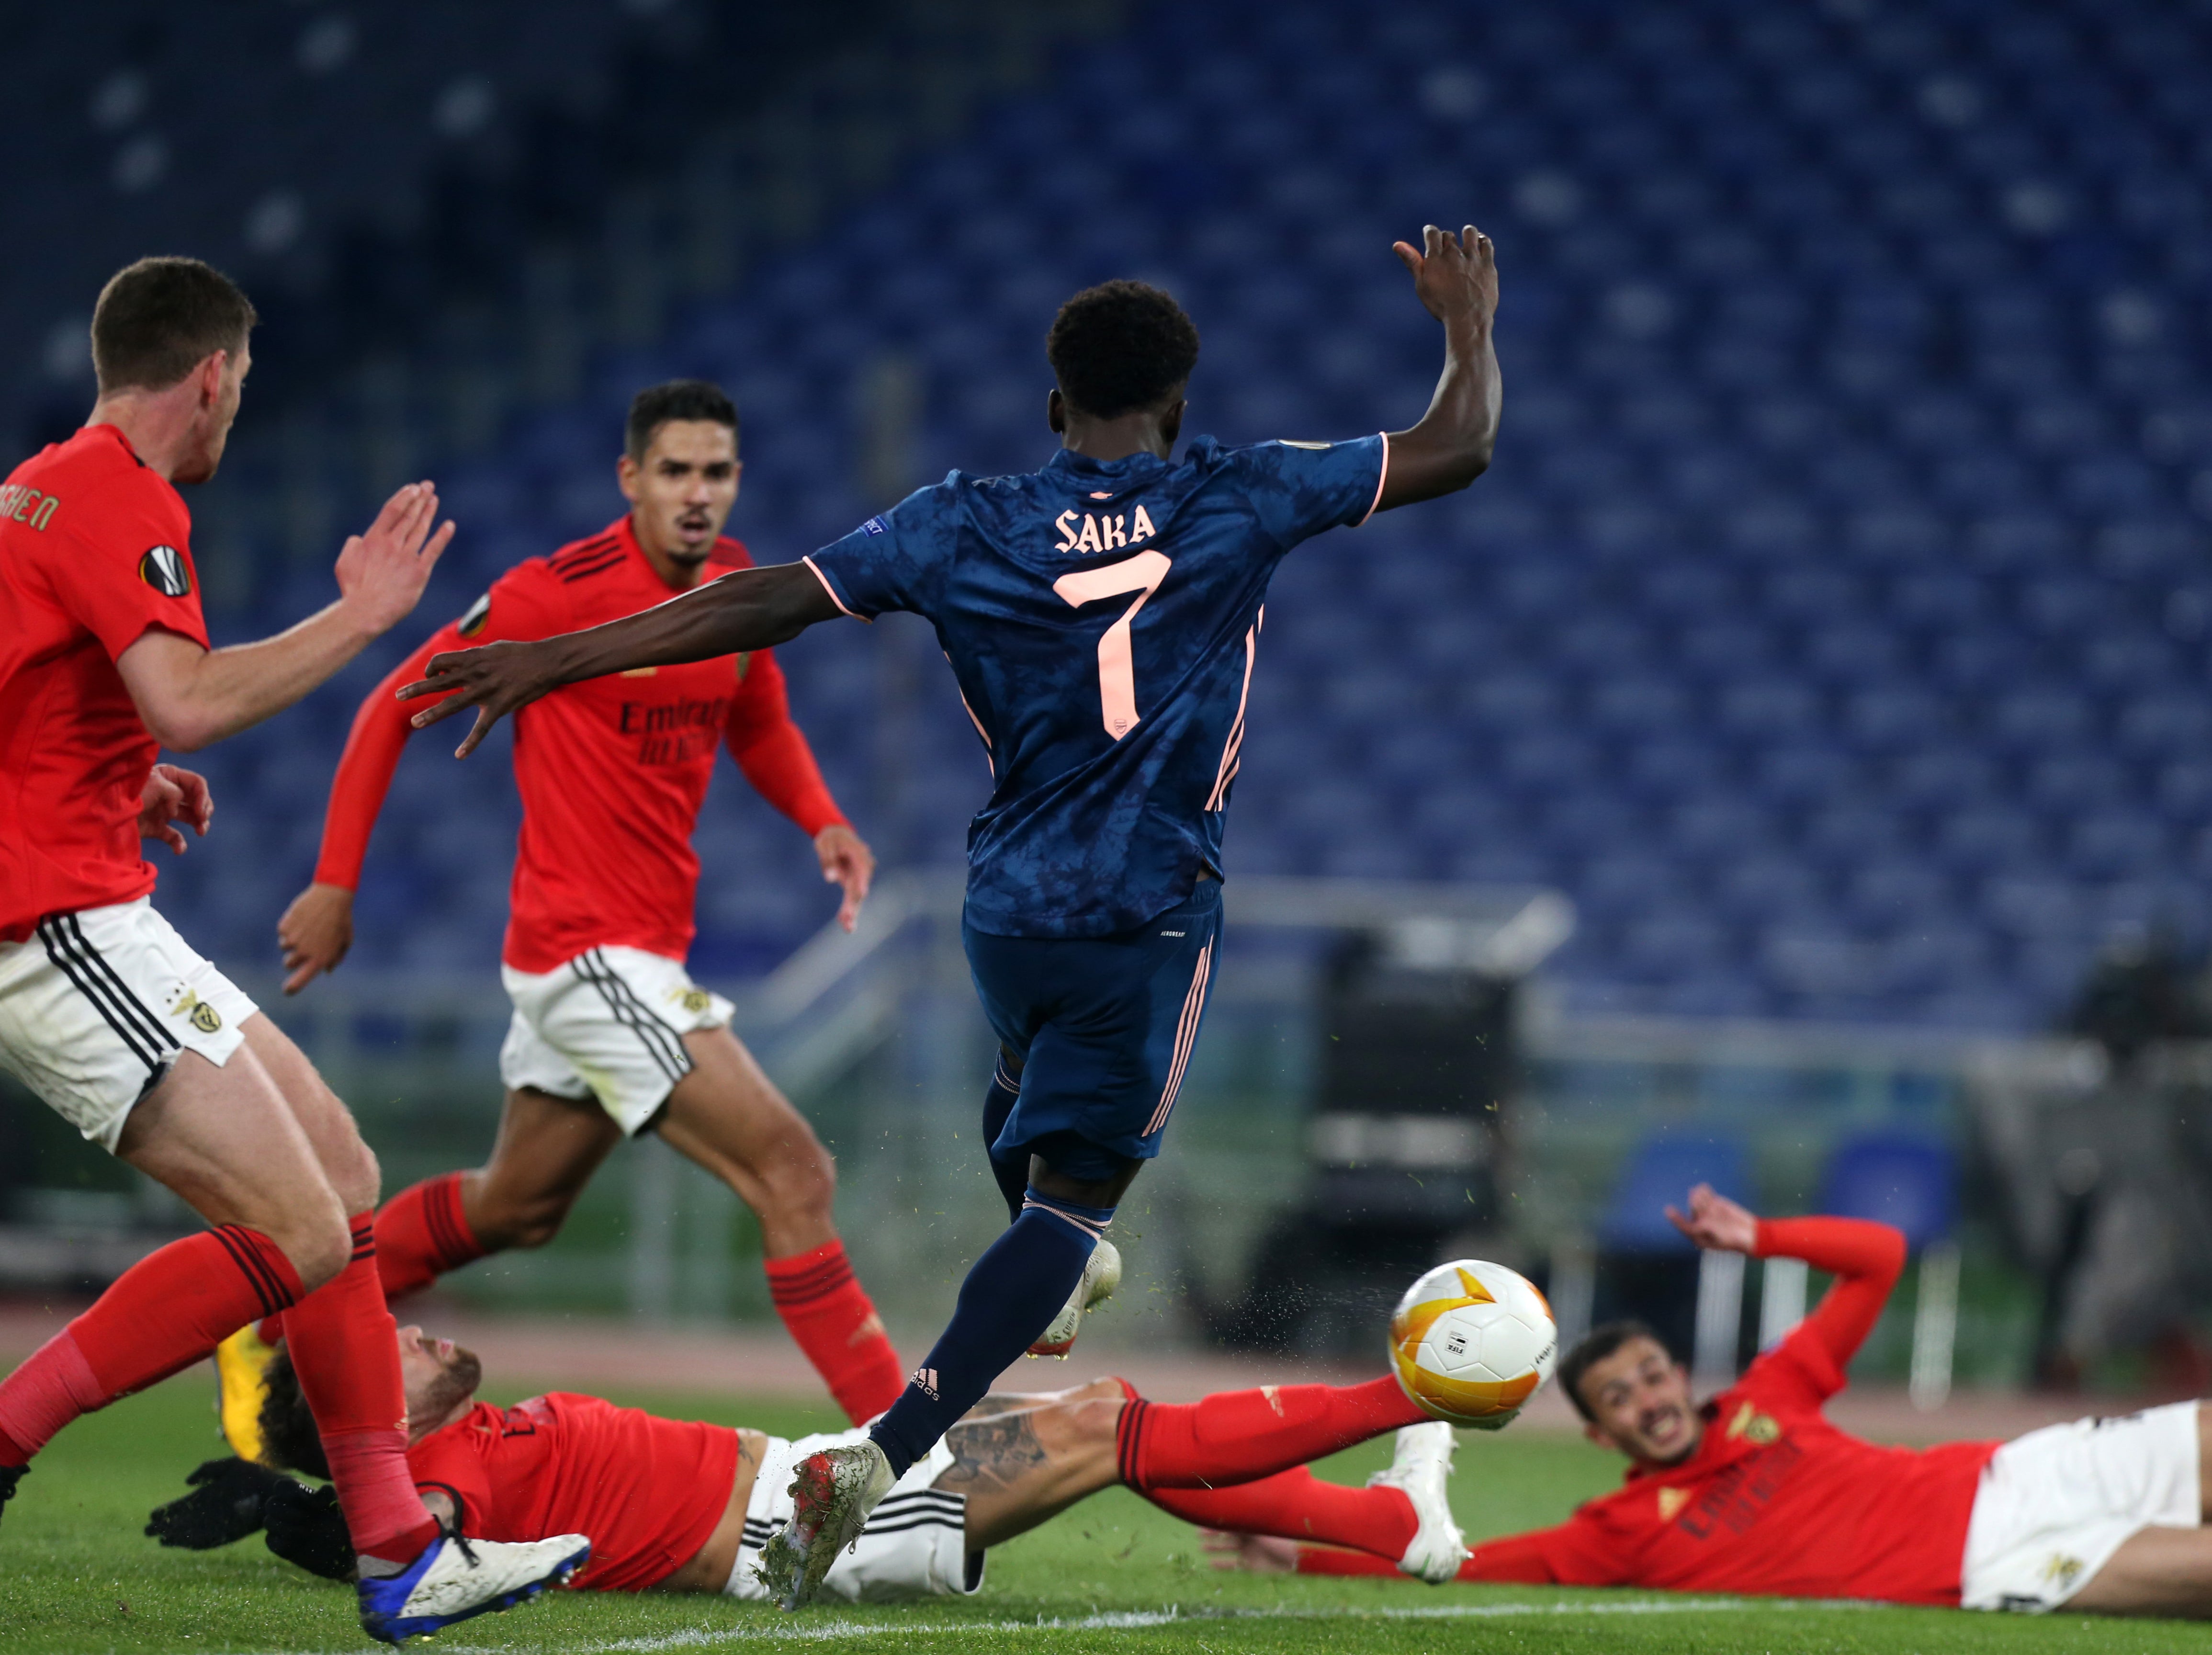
1139, 1620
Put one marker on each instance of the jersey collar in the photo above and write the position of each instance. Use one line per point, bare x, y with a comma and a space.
115, 433
1066, 460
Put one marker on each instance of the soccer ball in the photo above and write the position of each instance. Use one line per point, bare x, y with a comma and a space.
1471, 1342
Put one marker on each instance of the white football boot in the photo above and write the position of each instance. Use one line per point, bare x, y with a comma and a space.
832, 1492
455, 1579
1102, 1274
1421, 1470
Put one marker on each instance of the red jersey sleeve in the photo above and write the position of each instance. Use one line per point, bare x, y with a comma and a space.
1866, 1259
772, 750
521, 605
127, 567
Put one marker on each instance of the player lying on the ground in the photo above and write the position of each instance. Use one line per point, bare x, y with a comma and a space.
682, 1507
1756, 1492
109, 1015
610, 1038
1101, 616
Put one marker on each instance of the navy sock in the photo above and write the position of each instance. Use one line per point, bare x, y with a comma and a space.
1011, 1170
1009, 1297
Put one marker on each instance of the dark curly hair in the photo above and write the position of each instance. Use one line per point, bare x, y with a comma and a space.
288, 1438
1120, 346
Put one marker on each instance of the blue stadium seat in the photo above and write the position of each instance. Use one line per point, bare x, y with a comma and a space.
1660, 1173
1905, 1181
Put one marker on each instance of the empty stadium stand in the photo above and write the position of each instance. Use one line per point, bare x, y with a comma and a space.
1834, 626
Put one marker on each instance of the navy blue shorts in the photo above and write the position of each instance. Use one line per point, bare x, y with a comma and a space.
1102, 1028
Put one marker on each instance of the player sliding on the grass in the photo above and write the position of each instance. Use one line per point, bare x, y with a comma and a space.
1756, 1492
1102, 617
109, 1015
610, 1038
681, 1506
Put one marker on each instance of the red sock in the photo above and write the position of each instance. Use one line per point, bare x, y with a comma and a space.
345, 1348
1324, 1559
1298, 1505
833, 1321
1240, 1436
169, 1309
422, 1233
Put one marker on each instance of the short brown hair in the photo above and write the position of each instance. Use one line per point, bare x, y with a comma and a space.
159, 318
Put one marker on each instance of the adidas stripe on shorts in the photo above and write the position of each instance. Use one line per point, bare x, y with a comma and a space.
608, 1024
915, 1544
95, 1005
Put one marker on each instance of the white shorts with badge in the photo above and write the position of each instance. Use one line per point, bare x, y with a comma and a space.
96, 1005
915, 1544
608, 1024
2056, 1504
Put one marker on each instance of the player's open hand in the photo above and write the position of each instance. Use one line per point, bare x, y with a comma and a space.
1715, 1222
381, 573
175, 794
496, 680
847, 861
315, 933
1456, 277
1254, 1553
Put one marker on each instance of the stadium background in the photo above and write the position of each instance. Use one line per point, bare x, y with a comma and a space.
1831, 633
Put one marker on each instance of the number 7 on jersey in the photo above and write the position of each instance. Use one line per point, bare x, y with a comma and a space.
1117, 665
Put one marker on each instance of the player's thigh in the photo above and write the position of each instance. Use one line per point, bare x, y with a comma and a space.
2156, 1571
346, 1161
1109, 1064
226, 1140
547, 1149
729, 1117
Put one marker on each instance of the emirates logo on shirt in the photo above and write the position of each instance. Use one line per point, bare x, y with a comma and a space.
164, 568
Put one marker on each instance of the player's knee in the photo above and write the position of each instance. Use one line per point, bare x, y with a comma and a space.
1083, 1421
523, 1224
356, 1177
319, 1243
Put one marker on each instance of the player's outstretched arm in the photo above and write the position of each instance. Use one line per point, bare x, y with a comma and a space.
751, 609
1456, 280
1865, 1258
193, 697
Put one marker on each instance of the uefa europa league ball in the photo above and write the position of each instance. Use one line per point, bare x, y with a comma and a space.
1471, 1342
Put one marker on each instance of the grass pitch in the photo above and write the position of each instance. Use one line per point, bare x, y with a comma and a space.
1114, 1574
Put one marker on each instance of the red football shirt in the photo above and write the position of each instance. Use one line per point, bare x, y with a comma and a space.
95, 548
648, 1491
612, 770
1776, 1499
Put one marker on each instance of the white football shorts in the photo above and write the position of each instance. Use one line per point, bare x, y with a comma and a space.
915, 1544
96, 1006
2056, 1504
608, 1024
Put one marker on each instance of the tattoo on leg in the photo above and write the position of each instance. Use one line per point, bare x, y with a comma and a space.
992, 1454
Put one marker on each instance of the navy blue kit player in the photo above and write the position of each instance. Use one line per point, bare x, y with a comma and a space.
1102, 615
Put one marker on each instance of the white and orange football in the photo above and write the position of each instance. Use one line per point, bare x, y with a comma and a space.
1471, 1342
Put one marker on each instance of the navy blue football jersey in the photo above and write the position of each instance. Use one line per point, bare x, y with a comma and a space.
1101, 618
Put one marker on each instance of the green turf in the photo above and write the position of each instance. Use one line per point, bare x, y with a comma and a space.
75, 1574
